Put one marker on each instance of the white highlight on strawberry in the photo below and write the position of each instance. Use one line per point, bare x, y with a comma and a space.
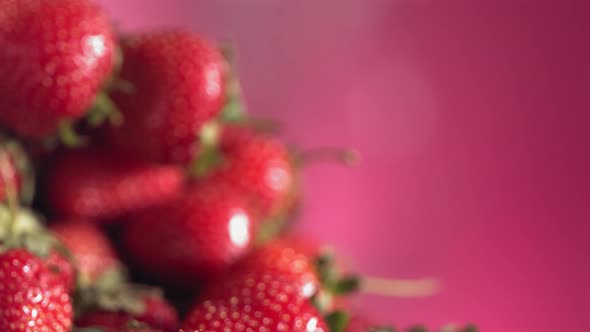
239, 229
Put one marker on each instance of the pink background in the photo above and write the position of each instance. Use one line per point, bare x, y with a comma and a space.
474, 126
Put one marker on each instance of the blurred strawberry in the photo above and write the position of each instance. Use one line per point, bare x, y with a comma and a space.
199, 235
287, 257
101, 185
153, 310
54, 57
31, 298
178, 80
93, 254
260, 167
22, 229
258, 302
309, 268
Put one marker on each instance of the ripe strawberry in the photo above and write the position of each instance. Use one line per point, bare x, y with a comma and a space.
15, 172
259, 166
31, 298
100, 185
288, 258
64, 267
22, 229
256, 301
155, 312
306, 266
93, 254
178, 78
54, 57
199, 235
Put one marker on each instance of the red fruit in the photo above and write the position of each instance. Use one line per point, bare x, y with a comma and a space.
93, 254
179, 83
260, 167
258, 302
288, 258
54, 57
58, 263
31, 298
156, 313
199, 235
100, 185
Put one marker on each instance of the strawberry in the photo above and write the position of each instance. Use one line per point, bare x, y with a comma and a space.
307, 267
287, 258
259, 166
155, 312
15, 172
54, 57
199, 235
256, 301
97, 184
58, 262
94, 256
22, 229
179, 80
31, 298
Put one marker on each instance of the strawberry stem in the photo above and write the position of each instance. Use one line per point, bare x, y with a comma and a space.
408, 288
68, 135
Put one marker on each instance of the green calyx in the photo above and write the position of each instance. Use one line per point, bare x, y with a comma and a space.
234, 109
331, 279
103, 110
337, 321
68, 136
23, 230
119, 297
209, 157
14, 153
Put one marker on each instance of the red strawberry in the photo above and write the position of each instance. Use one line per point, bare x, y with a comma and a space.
178, 78
31, 298
93, 254
287, 258
15, 172
156, 312
259, 166
200, 234
22, 229
259, 302
58, 262
95, 183
307, 267
54, 57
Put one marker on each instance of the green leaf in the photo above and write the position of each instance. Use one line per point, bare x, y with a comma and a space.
68, 135
337, 321
104, 109
418, 329
470, 328
346, 285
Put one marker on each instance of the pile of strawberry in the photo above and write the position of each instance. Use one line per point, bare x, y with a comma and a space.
163, 199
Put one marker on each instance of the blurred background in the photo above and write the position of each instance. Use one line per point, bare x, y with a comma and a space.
472, 118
